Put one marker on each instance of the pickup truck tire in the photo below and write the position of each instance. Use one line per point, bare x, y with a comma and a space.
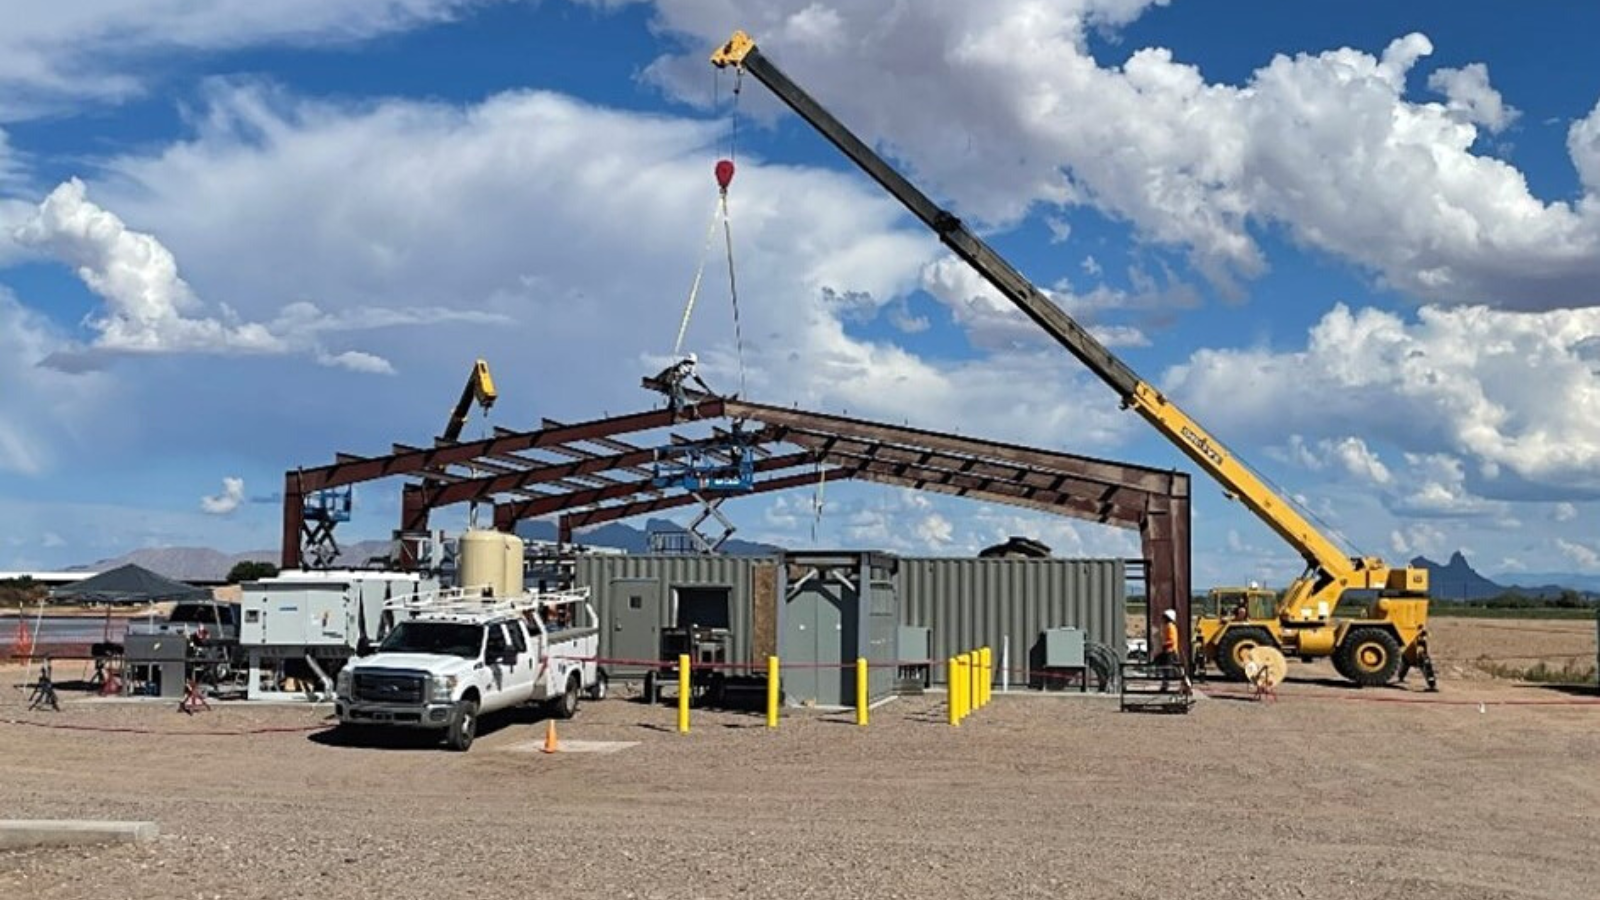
566, 705
463, 726
602, 686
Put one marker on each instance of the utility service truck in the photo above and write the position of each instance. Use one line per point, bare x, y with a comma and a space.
460, 653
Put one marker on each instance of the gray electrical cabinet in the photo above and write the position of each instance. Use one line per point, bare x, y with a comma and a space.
1063, 648
915, 643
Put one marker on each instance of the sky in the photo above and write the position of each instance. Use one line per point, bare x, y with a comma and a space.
1360, 244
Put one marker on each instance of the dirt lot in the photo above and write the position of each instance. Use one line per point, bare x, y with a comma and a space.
1323, 794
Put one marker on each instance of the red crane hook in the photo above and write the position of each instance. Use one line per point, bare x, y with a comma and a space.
724, 174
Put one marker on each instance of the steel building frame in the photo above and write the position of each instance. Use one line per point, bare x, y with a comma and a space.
610, 479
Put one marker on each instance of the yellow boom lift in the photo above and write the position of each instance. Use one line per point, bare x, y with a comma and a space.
480, 387
1371, 650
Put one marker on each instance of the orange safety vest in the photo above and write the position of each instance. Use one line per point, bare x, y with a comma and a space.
1169, 637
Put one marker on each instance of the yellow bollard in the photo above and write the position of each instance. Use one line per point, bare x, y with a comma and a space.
772, 692
861, 690
972, 680
964, 685
683, 693
982, 667
953, 679
987, 681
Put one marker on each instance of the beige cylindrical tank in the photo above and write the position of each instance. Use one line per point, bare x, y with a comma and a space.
490, 558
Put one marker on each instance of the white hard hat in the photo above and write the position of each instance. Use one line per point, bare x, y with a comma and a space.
1172, 615
692, 358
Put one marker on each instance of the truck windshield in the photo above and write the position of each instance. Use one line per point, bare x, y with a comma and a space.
445, 638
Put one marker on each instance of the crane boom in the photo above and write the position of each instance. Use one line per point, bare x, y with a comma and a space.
479, 387
1330, 572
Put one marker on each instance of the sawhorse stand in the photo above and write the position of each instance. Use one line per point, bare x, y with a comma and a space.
193, 700
44, 691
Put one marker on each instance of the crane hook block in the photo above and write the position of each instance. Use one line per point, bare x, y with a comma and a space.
724, 173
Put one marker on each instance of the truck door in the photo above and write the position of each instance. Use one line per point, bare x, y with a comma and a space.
503, 663
520, 680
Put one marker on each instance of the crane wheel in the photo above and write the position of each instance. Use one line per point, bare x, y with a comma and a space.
1369, 656
1340, 667
1235, 646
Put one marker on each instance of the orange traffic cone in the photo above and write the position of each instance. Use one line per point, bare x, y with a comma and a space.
551, 745
23, 644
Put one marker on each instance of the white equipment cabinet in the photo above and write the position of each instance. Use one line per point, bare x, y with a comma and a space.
313, 621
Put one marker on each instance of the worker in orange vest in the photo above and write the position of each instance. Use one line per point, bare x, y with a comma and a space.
1171, 649
1169, 640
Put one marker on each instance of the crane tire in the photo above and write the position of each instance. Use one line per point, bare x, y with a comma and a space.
1340, 667
1370, 656
1234, 644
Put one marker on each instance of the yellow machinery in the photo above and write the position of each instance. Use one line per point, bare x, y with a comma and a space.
480, 387
1369, 650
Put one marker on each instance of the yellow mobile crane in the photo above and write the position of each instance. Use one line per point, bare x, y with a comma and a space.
1370, 650
480, 387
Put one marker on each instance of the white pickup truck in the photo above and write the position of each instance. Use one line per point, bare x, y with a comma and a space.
456, 655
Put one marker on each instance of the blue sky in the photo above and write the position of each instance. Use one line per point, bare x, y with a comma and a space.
1358, 244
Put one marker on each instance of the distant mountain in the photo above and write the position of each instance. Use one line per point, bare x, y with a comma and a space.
1547, 582
205, 564
1456, 579
634, 540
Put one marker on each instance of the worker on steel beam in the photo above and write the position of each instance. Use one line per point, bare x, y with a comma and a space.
674, 377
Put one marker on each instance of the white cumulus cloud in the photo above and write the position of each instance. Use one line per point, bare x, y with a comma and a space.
1469, 95
226, 502
1583, 555
149, 307
1508, 395
1003, 106
54, 53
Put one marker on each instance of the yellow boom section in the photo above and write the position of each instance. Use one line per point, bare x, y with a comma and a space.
479, 387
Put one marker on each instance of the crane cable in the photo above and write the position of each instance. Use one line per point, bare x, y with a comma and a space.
724, 173
816, 500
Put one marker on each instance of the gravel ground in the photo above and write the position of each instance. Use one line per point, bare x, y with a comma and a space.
1319, 795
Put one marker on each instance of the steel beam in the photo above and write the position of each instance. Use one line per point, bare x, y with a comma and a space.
1127, 503
506, 515
485, 489
604, 514
353, 469
294, 511
1138, 478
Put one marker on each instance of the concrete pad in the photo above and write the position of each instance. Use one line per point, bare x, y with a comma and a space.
567, 746
21, 834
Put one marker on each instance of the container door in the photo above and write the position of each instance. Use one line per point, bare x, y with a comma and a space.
636, 613
819, 633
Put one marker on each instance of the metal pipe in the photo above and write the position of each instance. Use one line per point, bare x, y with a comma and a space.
1005, 663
